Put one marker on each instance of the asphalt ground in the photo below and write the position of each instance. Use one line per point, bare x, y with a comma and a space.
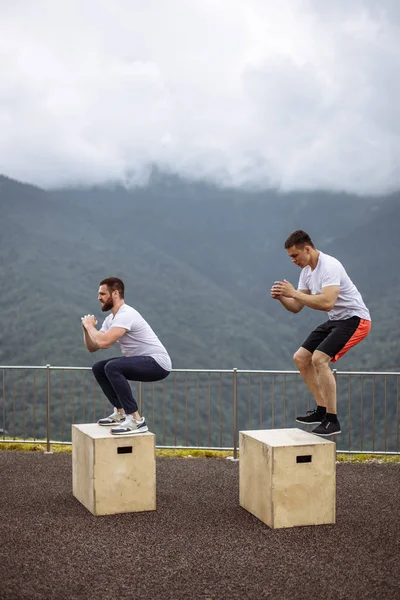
198, 544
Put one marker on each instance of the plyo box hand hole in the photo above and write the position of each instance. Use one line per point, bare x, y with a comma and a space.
306, 458
124, 450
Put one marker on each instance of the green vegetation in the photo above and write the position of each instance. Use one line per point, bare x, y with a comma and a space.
198, 262
367, 458
197, 453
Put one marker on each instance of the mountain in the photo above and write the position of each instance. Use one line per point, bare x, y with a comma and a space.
53, 256
198, 263
371, 253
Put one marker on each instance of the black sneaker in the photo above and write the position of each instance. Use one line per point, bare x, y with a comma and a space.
327, 428
312, 416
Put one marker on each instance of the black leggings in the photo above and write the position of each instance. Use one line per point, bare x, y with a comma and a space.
112, 375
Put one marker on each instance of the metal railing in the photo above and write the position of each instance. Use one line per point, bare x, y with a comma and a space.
196, 408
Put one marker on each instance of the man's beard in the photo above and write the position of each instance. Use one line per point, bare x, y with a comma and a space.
107, 305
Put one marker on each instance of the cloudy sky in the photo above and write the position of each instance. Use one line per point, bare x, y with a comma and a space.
301, 94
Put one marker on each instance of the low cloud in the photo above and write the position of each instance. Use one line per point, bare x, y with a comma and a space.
300, 94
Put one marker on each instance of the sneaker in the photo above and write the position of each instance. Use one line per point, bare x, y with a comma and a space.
312, 416
327, 428
130, 426
115, 419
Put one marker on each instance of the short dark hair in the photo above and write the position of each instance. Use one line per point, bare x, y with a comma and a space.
114, 283
299, 238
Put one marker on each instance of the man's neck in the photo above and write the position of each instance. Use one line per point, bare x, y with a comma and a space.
314, 256
117, 306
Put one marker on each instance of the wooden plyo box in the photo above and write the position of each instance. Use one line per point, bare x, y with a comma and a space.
287, 477
113, 474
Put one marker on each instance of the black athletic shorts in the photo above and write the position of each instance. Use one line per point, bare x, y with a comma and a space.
335, 338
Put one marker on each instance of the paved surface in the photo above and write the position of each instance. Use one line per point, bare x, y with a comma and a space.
199, 544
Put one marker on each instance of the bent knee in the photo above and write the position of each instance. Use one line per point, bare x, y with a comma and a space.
111, 367
320, 359
97, 367
302, 357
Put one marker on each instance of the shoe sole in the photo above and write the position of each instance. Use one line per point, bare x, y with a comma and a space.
327, 434
115, 424
132, 432
308, 422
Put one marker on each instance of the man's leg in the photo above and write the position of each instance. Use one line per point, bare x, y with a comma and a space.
116, 377
319, 378
103, 381
304, 362
118, 414
343, 335
326, 380
134, 368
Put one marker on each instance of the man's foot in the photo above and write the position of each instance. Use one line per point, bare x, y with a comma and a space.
115, 419
327, 428
312, 416
130, 426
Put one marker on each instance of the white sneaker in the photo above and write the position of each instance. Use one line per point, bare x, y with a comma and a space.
115, 419
130, 426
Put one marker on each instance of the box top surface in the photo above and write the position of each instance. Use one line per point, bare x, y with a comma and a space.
96, 431
285, 437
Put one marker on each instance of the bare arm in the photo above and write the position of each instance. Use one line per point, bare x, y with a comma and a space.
290, 304
324, 301
99, 339
88, 342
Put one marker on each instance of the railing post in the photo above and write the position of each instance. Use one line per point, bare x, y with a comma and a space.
4, 405
235, 433
334, 372
48, 447
140, 397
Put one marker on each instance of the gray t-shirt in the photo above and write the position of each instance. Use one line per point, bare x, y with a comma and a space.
139, 339
329, 271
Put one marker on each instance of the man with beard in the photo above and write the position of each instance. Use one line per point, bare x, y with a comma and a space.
145, 358
324, 285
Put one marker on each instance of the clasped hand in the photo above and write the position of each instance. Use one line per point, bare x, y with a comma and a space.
282, 288
88, 320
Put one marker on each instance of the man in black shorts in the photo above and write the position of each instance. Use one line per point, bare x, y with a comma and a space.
324, 285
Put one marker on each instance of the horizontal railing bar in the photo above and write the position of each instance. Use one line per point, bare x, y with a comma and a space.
24, 367
230, 371
266, 372
227, 371
55, 368
381, 373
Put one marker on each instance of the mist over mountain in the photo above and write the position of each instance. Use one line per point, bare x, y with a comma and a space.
301, 94
198, 262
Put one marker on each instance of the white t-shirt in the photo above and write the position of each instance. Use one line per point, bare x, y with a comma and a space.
329, 271
139, 339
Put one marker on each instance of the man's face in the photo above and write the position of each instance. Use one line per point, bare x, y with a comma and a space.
105, 298
299, 256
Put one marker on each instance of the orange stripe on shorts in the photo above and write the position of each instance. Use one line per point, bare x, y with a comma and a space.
360, 333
